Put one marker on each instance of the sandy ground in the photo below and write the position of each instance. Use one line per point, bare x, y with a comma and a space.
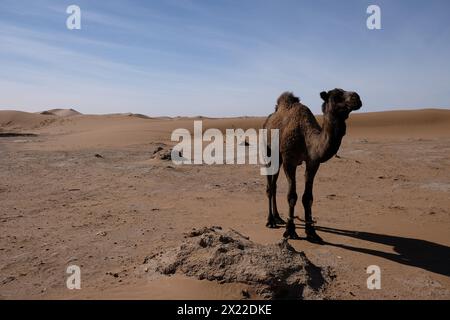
385, 201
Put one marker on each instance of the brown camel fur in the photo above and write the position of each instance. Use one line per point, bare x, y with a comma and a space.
301, 139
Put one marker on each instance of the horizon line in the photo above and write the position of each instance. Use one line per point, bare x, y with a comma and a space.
215, 117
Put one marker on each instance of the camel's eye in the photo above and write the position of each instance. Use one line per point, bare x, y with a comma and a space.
338, 97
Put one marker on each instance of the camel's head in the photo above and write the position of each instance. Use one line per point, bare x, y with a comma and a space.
340, 102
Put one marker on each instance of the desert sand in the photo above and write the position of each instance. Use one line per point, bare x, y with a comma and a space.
86, 190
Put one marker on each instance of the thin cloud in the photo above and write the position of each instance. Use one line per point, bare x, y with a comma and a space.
218, 58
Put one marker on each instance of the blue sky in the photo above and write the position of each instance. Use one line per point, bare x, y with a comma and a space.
221, 57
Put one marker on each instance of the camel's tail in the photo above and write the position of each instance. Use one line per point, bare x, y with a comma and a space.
286, 100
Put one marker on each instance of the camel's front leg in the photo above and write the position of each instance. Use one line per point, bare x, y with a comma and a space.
271, 223
292, 200
274, 217
307, 200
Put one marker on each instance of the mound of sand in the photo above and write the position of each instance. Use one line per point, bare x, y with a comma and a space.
274, 271
17, 120
61, 112
138, 115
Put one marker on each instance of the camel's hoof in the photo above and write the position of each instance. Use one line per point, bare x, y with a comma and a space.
313, 237
289, 234
271, 225
278, 220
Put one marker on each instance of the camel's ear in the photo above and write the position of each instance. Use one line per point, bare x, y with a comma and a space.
324, 96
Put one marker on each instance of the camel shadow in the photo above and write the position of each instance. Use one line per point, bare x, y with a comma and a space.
418, 253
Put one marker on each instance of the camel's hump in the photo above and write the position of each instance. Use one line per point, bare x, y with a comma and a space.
286, 100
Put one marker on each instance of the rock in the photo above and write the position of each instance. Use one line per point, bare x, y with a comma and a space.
164, 154
245, 294
114, 274
274, 271
158, 149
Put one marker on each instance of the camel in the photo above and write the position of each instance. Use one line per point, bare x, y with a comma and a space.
301, 139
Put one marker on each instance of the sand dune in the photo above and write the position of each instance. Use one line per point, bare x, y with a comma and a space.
426, 123
61, 112
438, 118
129, 129
18, 120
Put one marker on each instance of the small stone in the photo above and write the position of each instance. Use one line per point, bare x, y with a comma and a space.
158, 149
7, 280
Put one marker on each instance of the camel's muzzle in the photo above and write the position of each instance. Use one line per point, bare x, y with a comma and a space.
357, 106
355, 102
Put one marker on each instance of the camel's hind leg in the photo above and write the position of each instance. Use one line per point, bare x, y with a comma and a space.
290, 170
276, 214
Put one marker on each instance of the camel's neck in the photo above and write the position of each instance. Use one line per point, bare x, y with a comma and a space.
330, 137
